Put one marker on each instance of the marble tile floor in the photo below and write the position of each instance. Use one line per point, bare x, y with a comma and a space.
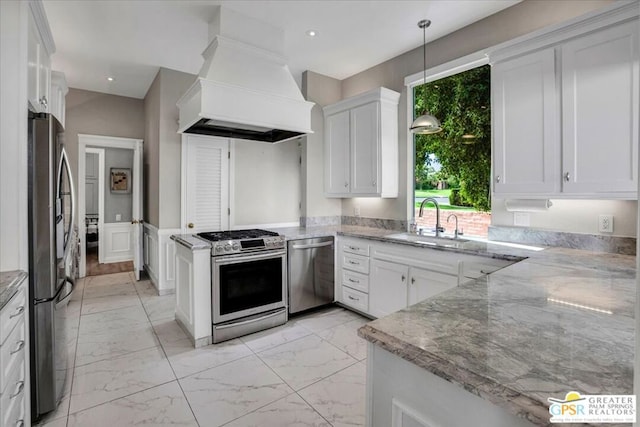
132, 365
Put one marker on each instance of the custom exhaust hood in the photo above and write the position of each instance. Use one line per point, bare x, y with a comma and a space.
244, 89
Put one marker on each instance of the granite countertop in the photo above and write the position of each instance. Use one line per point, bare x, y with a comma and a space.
191, 241
9, 283
558, 321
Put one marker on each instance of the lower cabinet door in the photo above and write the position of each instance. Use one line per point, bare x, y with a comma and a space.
387, 288
424, 284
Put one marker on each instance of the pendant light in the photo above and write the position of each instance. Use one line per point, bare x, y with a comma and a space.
426, 124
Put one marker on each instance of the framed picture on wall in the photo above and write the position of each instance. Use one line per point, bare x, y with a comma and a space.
121, 180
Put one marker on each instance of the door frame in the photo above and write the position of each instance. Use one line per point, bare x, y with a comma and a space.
100, 153
85, 142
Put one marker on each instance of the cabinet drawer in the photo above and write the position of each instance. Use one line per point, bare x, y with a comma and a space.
12, 352
13, 394
355, 280
11, 314
14, 415
358, 248
355, 263
356, 299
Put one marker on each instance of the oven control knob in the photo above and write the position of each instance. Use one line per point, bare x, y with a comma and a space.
227, 247
218, 248
236, 246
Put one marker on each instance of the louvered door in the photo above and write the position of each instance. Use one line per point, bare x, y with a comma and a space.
205, 186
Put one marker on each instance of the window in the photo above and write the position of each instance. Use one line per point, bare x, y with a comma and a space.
454, 166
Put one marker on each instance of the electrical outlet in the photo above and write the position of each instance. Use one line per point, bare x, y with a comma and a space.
521, 219
118, 217
356, 210
605, 223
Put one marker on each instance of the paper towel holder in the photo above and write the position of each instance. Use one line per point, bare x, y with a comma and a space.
527, 205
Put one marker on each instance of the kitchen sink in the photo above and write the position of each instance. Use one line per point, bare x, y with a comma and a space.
445, 241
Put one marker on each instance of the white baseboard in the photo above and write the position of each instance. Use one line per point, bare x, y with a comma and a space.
159, 257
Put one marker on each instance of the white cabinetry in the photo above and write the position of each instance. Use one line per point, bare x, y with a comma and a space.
59, 90
193, 293
205, 183
565, 118
352, 275
379, 278
361, 145
600, 113
40, 47
14, 403
526, 138
388, 288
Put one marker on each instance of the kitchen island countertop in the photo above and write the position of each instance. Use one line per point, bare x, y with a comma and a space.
9, 283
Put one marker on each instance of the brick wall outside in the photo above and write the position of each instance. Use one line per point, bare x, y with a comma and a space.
470, 222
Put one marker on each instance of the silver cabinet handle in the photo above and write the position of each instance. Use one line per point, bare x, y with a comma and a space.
19, 388
374, 183
346, 184
567, 176
403, 278
20, 423
353, 281
413, 280
353, 248
18, 312
353, 262
353, 299
498, 179
19, 347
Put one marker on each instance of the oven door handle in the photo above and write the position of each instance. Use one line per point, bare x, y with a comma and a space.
312, 245
243, 257
246, 322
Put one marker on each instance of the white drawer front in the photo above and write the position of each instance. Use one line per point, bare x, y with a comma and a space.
12, 352
12, 313
355, 280
13, 394
355, 263
356, 299
358, 248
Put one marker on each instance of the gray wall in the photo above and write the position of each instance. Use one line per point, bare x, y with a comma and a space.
117, 203
323, 91
162, 156
96, 113
523, 18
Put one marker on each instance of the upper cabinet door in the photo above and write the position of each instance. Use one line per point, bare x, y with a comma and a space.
365, 148
205, 188
337, 154
526, 142
600, 113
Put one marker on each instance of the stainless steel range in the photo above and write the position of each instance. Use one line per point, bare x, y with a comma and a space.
248, 281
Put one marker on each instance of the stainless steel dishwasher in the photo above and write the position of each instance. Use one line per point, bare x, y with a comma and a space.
310, 278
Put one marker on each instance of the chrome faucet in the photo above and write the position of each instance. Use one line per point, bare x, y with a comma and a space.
457, 233
439, 228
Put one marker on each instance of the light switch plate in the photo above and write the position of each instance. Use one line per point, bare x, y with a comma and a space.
605, 223
521, 219
356, 210
118, 217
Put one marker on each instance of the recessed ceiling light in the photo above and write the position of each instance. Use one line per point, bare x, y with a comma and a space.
110, 79
312, 33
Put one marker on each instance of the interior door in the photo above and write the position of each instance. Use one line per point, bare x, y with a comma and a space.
205, 183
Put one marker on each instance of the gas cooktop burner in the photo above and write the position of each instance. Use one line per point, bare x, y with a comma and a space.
216, 236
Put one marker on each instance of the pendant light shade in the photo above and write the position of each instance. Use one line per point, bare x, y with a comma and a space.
426, 124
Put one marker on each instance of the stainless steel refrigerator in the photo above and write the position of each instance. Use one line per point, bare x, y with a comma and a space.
51, 253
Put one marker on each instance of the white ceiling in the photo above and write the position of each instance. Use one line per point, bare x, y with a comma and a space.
130, 40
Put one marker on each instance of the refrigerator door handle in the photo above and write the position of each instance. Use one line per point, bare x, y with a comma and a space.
57, 294
64, 161
65, 299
